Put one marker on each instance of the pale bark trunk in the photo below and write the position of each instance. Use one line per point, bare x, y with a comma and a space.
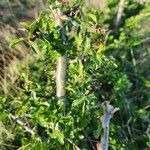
105, 119
119, 15
61, 70
61, 73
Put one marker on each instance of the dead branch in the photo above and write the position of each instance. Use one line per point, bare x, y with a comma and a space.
105, 119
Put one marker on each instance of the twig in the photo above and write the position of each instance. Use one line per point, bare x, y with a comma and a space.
21, 123
89, 140
133, 58
43, 96
60, 16
70, 141
94, 107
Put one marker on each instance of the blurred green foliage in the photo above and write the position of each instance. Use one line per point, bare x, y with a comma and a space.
117, 71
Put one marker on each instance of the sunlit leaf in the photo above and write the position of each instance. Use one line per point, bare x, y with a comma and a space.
34, 46
93, 17
15, 42
25, 25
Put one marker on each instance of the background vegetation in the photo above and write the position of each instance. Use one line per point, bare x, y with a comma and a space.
112, 66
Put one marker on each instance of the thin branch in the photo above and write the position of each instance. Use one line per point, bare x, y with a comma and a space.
74, 145
15, 118
89, 140
94, 107
133, 58
41, 95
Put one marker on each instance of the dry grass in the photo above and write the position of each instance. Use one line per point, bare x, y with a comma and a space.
98, 4
11, 59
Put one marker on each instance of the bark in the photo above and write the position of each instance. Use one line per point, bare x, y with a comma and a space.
61, 68
119, 15
61, 73
105, 119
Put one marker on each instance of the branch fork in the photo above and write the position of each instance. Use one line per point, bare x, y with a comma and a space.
105, 119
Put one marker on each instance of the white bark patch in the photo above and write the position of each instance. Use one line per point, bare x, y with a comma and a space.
61, 76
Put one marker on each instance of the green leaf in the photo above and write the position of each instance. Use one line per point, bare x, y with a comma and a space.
25, 25
33, 26
44, 104
15, 42
3, 116
78, 102
96, 132
59, 136
34, 46
93, 17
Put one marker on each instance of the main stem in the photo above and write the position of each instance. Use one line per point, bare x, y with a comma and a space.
119, 15
105, 119
61, 70
61, 73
